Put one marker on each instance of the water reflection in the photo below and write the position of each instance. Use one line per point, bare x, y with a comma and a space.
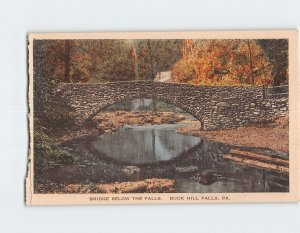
144, 144
159, 151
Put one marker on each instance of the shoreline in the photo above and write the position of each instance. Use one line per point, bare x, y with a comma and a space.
107, 122
272, 135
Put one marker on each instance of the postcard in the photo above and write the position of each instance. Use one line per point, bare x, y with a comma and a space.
163, 117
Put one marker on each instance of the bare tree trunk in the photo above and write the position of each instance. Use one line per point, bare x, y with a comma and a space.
151, 53
67, 59
251, 81
136, 64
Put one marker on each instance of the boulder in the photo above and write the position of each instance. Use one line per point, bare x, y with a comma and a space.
130, 170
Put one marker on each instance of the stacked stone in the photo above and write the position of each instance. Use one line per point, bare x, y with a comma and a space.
216, 107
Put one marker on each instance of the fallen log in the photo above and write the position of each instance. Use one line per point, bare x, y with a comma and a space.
260, 157
257, 163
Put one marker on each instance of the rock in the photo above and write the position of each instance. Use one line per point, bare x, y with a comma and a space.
206, 177
222, 104
130, 170
186, 169
268, 105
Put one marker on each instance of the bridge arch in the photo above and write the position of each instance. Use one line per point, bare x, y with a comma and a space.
216, 107
186, 110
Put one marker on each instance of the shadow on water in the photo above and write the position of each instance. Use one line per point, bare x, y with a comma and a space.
157, 151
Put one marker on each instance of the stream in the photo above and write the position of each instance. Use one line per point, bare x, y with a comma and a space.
158, 151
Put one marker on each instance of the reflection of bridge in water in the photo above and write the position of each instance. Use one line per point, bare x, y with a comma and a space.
95, 166
216, 107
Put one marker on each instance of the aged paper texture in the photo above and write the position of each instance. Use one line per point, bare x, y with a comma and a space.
163, 117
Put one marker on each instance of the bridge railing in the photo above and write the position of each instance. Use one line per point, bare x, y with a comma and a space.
276, 91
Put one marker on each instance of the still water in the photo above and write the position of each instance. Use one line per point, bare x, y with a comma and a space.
158, 151
144, 144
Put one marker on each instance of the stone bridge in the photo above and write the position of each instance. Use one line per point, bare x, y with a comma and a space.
216, 107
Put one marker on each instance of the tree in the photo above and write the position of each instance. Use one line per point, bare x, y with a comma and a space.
134, 58
153, 56
67, 58
87, 60
50, 112
52, 116
114, 61
156, 56
251, 77
277, 52
222, 62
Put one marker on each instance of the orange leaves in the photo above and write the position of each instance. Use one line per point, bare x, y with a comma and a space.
202, 62
184, 71
222, 62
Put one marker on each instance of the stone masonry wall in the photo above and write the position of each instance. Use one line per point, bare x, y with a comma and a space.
216, 107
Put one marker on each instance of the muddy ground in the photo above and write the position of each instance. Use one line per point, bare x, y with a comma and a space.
273, 135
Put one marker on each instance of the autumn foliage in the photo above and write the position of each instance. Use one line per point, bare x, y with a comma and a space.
199, 62
85, 60
223, 62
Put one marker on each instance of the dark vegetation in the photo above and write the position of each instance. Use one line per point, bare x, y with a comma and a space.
52, 117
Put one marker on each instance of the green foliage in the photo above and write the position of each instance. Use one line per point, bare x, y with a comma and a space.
46, 154
116, 64
156, 56
52, 116
277, 52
